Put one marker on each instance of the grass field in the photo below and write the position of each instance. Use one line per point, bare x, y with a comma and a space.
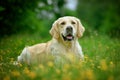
102, 60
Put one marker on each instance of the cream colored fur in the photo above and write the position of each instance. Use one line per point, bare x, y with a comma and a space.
57, 45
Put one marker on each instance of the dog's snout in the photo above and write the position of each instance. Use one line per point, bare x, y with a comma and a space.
69, 29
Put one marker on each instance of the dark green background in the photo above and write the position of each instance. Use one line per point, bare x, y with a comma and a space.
18, 16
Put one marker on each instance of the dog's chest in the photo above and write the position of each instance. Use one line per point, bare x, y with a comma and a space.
60, 49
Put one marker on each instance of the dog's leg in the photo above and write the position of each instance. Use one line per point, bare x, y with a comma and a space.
24, 56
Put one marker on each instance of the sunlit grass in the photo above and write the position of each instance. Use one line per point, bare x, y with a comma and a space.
102, 60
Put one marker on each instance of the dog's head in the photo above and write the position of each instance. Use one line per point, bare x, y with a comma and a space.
68, 28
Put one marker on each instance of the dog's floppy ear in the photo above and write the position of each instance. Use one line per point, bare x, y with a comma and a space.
54, 30
80, 29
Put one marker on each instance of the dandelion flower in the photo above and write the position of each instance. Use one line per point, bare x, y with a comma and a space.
66, 67
103, 64
86, 57
20, 65
29, 73
6, 78
111, 62
15, 73
111, 78
112, 65
88, 75
50, 64
58, 71
26, 70
11, 59
32, 75
41, 66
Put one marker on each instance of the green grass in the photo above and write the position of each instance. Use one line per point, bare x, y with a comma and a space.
102, 60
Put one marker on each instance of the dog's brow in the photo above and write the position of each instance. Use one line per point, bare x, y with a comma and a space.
63, 23
73, 22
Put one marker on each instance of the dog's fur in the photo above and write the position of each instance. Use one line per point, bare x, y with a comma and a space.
65, 32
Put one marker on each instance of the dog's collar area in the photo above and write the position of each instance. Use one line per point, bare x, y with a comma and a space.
68, 37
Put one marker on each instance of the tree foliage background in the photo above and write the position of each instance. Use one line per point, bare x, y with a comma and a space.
103, 15
38, 15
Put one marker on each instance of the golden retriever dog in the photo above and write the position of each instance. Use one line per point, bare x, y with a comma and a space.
65, 32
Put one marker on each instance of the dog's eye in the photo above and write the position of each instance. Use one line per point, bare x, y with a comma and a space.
73, 22
63, 23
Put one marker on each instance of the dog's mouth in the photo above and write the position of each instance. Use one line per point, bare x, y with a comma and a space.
68, 37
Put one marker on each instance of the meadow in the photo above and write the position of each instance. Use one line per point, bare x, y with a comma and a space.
102, 60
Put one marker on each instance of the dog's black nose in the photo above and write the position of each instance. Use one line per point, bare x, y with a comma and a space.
69, 29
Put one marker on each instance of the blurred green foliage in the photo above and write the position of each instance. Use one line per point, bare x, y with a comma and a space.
101, 15
38, 15
13, 13
19, 15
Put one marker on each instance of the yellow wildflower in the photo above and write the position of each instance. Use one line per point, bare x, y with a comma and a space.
103, 64
11, 60
58, 71
86, 57
66, 67
41, 66
32, 75
26, 70
87, 75
15, 73
111, 78
29, 73
50, 64
6, 78
20, 65
112, 65
66, 77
